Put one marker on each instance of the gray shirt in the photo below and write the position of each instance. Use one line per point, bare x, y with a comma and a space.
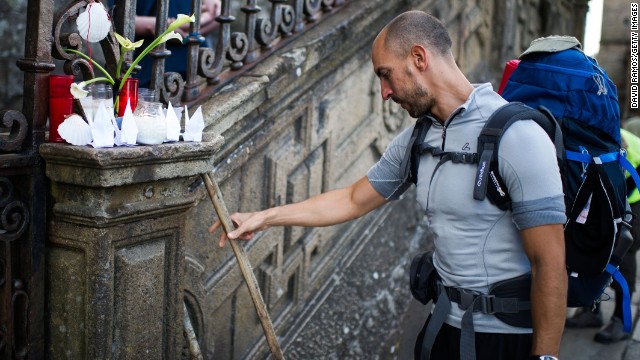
476, 243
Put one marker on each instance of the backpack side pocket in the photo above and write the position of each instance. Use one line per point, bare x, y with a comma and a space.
422, 277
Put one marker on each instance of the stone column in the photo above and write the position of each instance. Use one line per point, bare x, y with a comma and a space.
115, 256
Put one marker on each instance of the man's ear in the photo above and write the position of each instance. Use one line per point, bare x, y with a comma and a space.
419, 56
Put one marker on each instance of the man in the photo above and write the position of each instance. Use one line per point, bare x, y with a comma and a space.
476, 244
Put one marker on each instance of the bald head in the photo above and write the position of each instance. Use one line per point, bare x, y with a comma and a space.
415, 28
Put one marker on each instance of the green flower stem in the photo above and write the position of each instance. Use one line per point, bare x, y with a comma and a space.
135, 62
91, 81
157, 41
122, 53
108, 77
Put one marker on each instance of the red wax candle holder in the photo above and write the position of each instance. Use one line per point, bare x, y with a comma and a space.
60, 103
128, 93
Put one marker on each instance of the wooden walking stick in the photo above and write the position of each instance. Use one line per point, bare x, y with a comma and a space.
245, 266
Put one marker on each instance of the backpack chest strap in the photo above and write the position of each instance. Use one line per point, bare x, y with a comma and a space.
458, 157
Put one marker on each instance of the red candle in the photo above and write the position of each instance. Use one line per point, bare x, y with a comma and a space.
60, 103
128, 93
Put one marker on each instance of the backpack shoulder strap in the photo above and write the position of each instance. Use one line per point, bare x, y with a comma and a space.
489, 142
411, 159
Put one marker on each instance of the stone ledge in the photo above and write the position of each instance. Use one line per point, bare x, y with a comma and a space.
109, 167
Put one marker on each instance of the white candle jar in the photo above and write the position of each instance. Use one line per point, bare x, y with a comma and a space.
152, 126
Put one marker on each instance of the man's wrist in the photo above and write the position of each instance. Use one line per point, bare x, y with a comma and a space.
543, 357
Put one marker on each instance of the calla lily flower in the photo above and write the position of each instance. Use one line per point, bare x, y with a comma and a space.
181, 20
78, 91
171, 35
126, 44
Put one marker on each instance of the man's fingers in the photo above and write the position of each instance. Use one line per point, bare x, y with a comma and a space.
223, 236
223, 239
242, 230
246, 236
215, 226
233, 236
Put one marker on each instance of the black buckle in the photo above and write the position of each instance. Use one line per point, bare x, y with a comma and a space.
487, 304
464, 157
467, 297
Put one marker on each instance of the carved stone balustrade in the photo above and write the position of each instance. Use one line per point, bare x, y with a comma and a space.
115, 261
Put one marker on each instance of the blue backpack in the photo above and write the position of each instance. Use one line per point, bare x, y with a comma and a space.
574, 101
570, 86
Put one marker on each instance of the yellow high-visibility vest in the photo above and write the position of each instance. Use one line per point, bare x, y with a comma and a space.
631, 143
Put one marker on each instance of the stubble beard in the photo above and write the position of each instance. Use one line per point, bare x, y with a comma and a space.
420, 102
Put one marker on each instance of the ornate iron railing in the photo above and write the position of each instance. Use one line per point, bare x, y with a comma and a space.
14, 319
242, 39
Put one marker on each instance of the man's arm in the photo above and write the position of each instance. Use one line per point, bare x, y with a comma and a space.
146, 25
210, 9
544, 246
333, 207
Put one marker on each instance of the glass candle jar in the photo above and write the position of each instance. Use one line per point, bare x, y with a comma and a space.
102, 93
128, 94
152, 127
146, 94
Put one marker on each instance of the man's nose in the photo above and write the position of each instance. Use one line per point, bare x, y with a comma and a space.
385, 91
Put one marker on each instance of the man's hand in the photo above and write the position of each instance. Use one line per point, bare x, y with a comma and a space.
247, 224
209, 11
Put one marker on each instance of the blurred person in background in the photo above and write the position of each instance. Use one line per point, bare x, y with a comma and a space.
145, 27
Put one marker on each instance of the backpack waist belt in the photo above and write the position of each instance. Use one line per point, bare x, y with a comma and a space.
472, 301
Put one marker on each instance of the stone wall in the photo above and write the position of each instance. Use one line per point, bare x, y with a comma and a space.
305, 121
615, 50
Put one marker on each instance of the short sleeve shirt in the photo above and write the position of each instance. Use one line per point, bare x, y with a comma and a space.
476, 243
